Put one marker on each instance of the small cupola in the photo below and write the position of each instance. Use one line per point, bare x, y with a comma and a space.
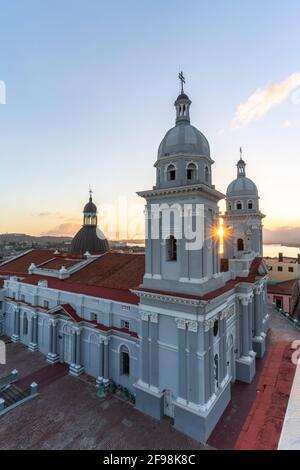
182, 104
90, 212
241, 166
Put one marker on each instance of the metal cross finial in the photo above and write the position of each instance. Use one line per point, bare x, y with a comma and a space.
91, 192
241, 153
182, 79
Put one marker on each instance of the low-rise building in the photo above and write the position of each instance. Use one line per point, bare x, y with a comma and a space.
284, 295
283, 268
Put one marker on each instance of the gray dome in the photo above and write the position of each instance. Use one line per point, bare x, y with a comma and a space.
186, 139
90, 207
242, 186
89, 239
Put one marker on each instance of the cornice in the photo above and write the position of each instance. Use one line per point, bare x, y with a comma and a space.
189, 189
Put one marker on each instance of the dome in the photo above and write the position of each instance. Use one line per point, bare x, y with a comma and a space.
91, 239
182, 96
242, 186
90, 207
184, 138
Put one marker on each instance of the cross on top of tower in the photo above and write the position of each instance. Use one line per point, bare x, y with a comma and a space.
91, 193
182, 80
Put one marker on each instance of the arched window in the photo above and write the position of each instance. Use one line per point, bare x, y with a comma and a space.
171, 173
216, 361
191, 171
171, 248
206, 174
216, 327
250, 204
239, 205
124, 361
229, 206
240, 244
25, 325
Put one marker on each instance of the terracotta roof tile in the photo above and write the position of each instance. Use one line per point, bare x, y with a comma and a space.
116, 270
21, 264
285, 287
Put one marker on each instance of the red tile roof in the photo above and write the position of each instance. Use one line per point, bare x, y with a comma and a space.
109, 276
285, 287
57, 263
44, 258
121, 270
21, 264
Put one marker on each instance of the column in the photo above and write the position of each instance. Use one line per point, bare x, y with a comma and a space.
101, 362
207, 365
182, 376
262, 309
54, 337
106, 361
183, 252
50, 337
33, 346
250, 321
145, 348
245, 327
73, 342
52, 355
16, 334
211, 361
75, 367
154, 349
148, 247
257, 312
193, 378
223, 351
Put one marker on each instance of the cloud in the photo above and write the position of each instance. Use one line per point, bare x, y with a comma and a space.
64, 230
289, 235
264, 99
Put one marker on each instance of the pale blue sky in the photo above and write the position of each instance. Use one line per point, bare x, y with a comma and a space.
90, 92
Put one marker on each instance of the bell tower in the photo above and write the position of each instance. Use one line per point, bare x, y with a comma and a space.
182, 244
242, 221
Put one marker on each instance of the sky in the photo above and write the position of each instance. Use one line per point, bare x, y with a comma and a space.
89, 87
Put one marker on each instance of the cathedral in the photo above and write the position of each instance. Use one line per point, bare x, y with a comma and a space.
175, 326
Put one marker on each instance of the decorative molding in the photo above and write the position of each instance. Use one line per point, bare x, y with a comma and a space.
169, 298
154, 317
192, 326
145, 316
244, 298
208, 324
181, 324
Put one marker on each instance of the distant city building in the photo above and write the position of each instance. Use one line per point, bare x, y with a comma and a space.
170, 326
